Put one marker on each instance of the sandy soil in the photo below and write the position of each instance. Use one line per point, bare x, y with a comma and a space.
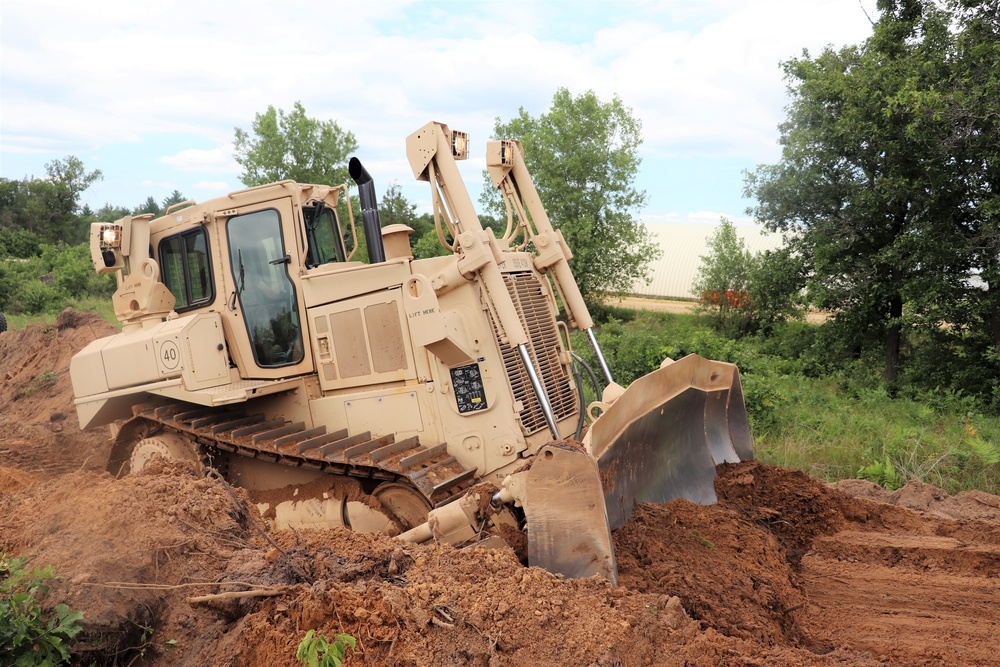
784, 570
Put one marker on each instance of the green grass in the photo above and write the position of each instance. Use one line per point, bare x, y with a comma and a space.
101, 306
842, 425
832, 433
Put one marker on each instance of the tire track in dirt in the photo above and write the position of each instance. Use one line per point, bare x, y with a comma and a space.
915, 599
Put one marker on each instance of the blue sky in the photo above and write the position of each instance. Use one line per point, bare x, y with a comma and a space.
150, 93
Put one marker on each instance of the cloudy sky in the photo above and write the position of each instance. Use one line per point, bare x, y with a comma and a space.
150, 93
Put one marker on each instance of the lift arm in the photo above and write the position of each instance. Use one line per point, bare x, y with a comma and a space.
433, 151
509, 173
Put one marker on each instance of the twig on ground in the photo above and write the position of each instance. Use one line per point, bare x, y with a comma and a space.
236, 594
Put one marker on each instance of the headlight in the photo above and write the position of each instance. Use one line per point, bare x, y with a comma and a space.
111, 236
460, 145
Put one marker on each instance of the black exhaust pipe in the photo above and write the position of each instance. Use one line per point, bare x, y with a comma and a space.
369, 210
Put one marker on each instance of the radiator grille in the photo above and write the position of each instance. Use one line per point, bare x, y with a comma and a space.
531, 302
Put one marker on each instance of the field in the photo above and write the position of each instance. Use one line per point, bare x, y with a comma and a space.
784, 570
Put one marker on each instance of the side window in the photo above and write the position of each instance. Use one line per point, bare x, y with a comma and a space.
186, 270
265, 291
324, 241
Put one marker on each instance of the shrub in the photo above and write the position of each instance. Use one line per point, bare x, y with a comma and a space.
17, 242
63, 274
635, 348
73, 271
37, 297
744, 293
29, 636
316, 651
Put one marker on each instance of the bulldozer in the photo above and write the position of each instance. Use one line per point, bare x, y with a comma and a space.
432, 399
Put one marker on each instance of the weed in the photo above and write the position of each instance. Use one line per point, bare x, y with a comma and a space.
882, 473
28, 636
702, 540
38, 382
316, 651
147, 644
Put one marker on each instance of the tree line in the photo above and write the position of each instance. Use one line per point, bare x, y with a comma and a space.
44, 226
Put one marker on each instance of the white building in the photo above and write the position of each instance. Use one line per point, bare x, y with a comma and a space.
673, 274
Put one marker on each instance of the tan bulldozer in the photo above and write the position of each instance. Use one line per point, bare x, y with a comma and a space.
427, 398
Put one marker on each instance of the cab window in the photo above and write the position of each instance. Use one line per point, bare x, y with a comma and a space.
324, 241
185, 269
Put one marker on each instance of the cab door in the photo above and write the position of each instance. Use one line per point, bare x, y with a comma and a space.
264, 309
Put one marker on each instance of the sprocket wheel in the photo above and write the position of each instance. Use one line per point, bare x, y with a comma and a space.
167, 445
408, 505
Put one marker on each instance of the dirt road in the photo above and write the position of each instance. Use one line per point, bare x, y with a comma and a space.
784, 570
674, 306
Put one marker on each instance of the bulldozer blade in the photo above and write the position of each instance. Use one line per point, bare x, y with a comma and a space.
567, 522
664, 436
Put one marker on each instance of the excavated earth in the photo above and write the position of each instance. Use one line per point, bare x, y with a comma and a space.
784, 570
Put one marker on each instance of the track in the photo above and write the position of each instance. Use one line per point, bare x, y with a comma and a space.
431, 470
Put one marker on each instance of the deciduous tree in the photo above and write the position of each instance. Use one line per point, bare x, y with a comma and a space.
48, 206
864, 189
583, 157
745, 292
295, 146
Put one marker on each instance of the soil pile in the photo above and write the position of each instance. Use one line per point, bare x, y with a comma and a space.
784, 570
39, 430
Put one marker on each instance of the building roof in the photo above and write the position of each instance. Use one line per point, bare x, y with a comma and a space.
673, 274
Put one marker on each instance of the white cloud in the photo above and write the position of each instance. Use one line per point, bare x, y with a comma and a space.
219, 159
213, 187
703, 77
162, 185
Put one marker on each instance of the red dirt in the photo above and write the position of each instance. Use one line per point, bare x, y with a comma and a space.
784, 570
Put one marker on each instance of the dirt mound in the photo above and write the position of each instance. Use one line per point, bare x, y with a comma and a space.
928, 499
39, 430
727, 572
784, 570
12, 479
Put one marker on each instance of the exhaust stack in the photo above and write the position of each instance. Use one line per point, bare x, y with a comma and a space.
369, 210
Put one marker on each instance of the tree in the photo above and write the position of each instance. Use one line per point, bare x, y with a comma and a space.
743, 292
395, 209
974, 148
294, 146
108, 213
174, 197
723, 279
148, 206
68, 180
49, 206
864, 185
583, 157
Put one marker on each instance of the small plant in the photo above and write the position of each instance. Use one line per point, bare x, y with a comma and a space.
702, 540
315, 651
882, 473
38, 382
27, 637
146, 644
